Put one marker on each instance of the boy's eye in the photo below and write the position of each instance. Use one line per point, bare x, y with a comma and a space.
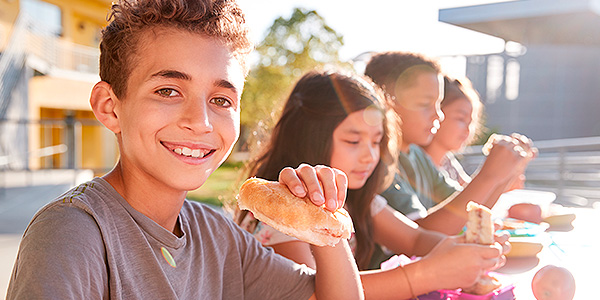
224, 102
166, 92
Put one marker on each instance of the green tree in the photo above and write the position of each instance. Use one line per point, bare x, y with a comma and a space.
291, 47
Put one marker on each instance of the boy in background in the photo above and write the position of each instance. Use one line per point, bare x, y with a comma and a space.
172, 76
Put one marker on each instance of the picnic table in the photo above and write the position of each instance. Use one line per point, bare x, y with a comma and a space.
572, 245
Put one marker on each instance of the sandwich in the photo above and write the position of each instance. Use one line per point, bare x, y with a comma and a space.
480, 230
272, 203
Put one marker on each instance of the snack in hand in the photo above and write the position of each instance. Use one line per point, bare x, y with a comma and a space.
273, 203
480, 230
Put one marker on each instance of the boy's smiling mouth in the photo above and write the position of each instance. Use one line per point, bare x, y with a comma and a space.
196, 153
189, 151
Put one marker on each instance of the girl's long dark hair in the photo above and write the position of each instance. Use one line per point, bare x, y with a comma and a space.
319, 102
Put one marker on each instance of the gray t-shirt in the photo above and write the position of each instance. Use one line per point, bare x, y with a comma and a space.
90, 243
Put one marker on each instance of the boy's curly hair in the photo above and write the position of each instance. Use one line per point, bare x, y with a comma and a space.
130, 19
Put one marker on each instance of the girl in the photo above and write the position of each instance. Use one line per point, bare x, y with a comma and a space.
342, 121
462, 112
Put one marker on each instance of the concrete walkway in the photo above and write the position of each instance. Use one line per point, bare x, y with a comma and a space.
17, 206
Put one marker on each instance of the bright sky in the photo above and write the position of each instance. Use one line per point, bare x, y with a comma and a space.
381, 25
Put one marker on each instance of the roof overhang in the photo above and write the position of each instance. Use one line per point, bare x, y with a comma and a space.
532, 21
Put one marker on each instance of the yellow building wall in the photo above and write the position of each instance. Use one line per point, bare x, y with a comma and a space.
82, 20
9, 10
51, 99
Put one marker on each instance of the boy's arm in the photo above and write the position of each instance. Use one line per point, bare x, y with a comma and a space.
507, 157
450, 216
61, 256
337, 274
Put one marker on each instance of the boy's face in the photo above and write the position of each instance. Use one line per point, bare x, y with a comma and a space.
180, 117
418, 104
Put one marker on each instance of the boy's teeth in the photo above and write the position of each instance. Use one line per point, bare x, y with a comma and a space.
189, 152
195, 153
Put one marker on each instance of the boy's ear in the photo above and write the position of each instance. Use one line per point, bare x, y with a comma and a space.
104, 104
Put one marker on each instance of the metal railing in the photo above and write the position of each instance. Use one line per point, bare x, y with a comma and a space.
568, 167
12, 62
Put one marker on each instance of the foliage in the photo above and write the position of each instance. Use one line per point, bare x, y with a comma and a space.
291, 47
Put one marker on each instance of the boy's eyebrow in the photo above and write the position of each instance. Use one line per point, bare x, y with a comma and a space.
226, 84
172, 74
180, 75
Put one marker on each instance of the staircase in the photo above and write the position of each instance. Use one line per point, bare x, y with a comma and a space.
33, 47
14, 76
12, 63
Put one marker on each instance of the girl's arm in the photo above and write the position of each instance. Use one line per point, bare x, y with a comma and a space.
401, 235
450, 265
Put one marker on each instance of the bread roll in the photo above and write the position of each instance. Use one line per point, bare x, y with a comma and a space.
480, 230
273, 203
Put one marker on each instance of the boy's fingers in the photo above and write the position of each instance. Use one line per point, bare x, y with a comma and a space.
341, 181
309, 176
289, 177
327, 177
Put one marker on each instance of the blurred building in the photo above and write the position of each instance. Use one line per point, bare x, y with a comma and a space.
48, 66
546, 84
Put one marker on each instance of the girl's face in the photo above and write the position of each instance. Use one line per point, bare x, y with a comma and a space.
455, 129
356, 145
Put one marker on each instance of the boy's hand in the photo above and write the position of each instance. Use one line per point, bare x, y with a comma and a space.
322, 184
508, 156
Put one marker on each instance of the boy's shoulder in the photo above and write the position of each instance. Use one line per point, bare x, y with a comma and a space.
90, 195
86, 203
422, 160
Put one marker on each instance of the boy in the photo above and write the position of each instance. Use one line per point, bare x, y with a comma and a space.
415, 84
172, 74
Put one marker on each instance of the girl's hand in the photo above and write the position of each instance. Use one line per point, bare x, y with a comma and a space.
502, 240
322, 184
457, 264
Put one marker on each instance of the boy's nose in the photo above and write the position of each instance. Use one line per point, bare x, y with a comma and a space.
196, 117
